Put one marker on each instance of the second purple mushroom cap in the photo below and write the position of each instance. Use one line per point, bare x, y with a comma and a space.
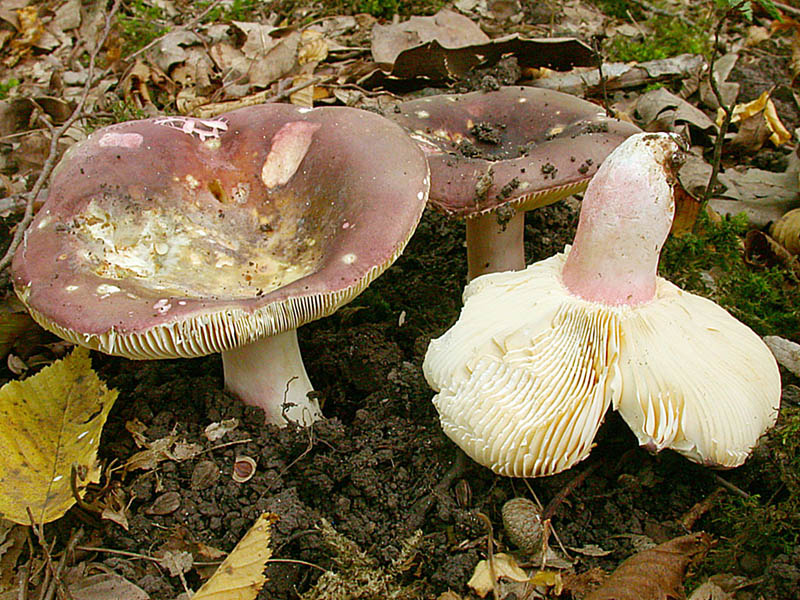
494, 155
180, 237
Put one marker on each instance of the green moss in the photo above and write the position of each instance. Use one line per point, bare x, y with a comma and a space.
7, 86
621, 9
139, 25
763, 526
377, 8
120, 111
670, 37
710, 263
238, 10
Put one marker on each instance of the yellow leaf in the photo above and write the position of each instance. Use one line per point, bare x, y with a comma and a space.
49, 423
241, 575
504, 566
780, 135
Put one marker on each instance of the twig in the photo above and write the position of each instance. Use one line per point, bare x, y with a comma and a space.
551, 507
51, 573
723, 128
601, 75
490, 554
206, 111
787, 9
23, 574
49, 163
295, 561
70, 548
732, 488
421, 507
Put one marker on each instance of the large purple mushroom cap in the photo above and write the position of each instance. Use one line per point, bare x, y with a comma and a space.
513, 149
179, 237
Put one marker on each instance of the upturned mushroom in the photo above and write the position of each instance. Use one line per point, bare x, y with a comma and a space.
180, 237
527, 374
495, 155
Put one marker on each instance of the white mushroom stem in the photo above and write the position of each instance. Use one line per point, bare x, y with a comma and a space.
270, 374
493, 247
625, 219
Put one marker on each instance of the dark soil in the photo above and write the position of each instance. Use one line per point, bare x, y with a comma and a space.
378, 467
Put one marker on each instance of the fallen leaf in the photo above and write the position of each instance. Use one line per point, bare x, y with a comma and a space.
13, 539
666, 110
786, 231
590, 550
106, 586
786, 352
50, 423
617, 76
763, 195
241, 574
177, 562
504, 566
219, 429
760, 250
764, 108
448, 28
654, 574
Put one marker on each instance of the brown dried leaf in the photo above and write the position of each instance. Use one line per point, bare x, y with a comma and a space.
655, 574
165, 504
105, 586
687, 207
313, 47
786, 231
760, 250
30, 30
448, 28
786, 352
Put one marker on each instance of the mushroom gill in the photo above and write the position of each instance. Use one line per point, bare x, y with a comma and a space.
526, 375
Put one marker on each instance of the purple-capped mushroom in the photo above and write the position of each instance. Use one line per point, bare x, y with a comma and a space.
179, 237
494, 155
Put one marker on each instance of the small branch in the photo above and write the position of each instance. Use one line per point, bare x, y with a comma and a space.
52, 155
551, 507
723, 129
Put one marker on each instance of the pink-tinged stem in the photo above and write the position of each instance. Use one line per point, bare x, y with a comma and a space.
270, 373
492, 247
625, 218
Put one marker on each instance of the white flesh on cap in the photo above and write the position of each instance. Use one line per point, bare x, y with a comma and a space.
269, 373
525, 376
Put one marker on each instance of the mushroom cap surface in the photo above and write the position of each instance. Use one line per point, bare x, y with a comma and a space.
178, 237
518, 146
526, 375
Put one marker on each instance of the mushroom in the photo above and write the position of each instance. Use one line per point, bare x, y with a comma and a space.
536, 358
495, 155
179, 237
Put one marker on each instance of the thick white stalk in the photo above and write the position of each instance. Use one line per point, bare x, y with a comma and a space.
625, 218
492, 247
270, 373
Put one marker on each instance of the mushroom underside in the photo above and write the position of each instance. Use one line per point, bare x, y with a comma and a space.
526, 375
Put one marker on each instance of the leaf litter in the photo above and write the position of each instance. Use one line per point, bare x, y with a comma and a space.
171, 446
